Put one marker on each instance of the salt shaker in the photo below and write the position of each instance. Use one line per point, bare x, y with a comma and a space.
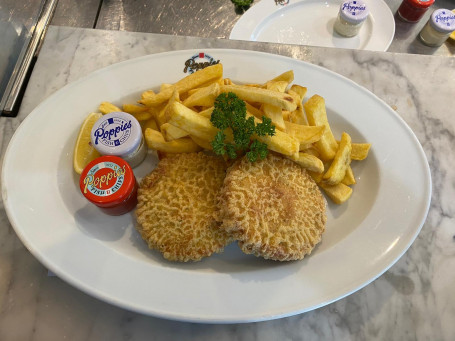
438, 28
351, 17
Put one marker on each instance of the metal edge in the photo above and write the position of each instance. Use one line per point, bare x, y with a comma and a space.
23, 66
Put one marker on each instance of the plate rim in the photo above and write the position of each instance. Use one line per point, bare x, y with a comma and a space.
207, 319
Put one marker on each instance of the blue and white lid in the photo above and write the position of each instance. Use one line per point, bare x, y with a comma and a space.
443, 20
354, 12
116, 133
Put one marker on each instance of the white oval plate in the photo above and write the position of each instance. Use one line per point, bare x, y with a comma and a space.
105, 257
310, 22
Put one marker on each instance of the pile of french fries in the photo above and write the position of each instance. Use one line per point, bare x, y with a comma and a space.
177, 120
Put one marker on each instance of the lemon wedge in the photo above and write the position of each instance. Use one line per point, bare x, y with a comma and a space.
83, 150
452, 36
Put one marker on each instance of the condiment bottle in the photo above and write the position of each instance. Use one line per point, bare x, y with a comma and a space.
413, 10
438, 28
109, 183
350, 18
119, 134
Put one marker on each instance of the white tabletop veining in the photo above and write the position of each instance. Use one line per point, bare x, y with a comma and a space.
413, 300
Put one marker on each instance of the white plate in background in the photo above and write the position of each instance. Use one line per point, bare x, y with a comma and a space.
310, 22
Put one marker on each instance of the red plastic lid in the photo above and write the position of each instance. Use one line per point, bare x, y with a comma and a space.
421, 3
107, 181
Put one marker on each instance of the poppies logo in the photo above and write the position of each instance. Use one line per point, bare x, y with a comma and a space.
104, 178
198, 62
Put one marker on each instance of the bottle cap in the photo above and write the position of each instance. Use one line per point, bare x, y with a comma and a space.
354, 12
107, 181
421, 3
443, 20
116, 133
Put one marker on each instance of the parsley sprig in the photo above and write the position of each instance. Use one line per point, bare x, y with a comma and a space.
230, 112
242, 5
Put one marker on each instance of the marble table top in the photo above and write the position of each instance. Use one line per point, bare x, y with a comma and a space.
413, 300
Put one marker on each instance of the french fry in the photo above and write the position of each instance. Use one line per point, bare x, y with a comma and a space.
227, 81
338, 193
148, 93
337, 170
317, 116
286, 115
312, 151
141, 113
207, 112
317, 177
164, 86
203, 97
202, 143
258, 113
298, 115
171, 132
300, 90
106, 108
134, 108
143, 116
258, 95
193, 123
349, 178
287, 76
191, 81
218, 80
280, 142
253, 85
310, 162
306, 135
274, 112
163, 115
155, 140
279, 86
151, 123
360, 151
191, 92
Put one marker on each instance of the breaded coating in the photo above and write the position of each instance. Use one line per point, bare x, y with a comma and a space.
177, 204
273, 208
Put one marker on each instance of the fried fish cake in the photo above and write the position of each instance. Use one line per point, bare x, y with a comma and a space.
177, 204
273, 208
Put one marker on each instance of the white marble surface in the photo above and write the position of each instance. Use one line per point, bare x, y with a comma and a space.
414, 300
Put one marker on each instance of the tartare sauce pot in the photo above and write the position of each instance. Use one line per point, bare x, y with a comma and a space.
109, 183
351, 17
119, 134
438, 28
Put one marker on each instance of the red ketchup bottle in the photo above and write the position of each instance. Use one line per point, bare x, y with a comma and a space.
109, 183
413, 10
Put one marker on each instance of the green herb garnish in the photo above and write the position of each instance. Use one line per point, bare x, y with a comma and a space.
230, 112
242, 5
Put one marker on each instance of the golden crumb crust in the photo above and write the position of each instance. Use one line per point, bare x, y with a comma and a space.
273, 208
177, 204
